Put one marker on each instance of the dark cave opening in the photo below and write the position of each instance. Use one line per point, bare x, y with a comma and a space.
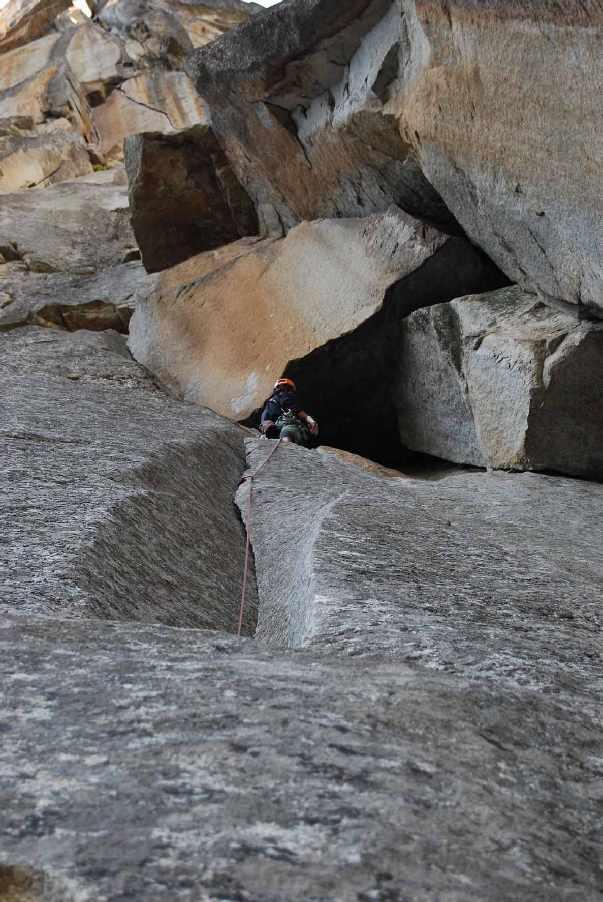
349, 384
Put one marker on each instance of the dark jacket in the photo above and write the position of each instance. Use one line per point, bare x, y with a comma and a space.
278, 404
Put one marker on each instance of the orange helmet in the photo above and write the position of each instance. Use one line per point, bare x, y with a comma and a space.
284, 383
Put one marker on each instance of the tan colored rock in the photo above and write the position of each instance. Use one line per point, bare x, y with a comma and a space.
28, 161
298, 99
500, 380
24, 62
482, 116
503, 103
153, 101
22, 21
220, 337
94, 57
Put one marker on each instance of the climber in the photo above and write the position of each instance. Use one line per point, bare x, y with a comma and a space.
282, 417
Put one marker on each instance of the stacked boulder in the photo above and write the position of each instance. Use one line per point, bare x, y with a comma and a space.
73, 86
338, 118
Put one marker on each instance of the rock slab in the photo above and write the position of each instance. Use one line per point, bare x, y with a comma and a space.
117, 501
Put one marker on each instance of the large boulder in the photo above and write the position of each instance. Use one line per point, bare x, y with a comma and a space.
295, 294
297, 97
342, 109
500, 380
502, 102
117, 502
184, 196
223, 325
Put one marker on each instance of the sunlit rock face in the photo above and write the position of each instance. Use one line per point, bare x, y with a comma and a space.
22, 21
98, 80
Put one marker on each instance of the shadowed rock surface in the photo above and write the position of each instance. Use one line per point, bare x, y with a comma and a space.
489, 576
184, 196
117, 502
500, 380
140, 762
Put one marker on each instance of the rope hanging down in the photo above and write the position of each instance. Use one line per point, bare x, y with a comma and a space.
249, 478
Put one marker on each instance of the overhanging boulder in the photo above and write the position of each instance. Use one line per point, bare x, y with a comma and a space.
297, 97
184, 196
500, 380
222, 326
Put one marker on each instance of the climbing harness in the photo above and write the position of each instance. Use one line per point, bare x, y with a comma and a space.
249, 478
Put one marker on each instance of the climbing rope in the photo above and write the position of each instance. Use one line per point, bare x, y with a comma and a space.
249, 478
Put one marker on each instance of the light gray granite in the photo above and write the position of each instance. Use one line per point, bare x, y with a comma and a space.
117, 502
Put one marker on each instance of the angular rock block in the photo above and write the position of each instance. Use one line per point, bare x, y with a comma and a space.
502, 104
500, 380
342, 109
152, 101
303, 118
184, 196
116, 501
30, 160
223, 325
325, 304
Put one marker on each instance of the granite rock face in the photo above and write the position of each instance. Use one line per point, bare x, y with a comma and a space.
475, 74
104, 79
57, 229
342, 109
117, 502
146, 762
184, 196
323, 281
22, 21
103, 299
38, 158
500, 380
472, 574
297, 97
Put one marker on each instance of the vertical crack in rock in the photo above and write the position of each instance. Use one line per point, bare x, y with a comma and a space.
129, 511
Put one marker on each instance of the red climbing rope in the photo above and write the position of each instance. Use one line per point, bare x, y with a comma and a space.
250, 477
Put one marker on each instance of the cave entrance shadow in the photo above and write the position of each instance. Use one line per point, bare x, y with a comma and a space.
349, 384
